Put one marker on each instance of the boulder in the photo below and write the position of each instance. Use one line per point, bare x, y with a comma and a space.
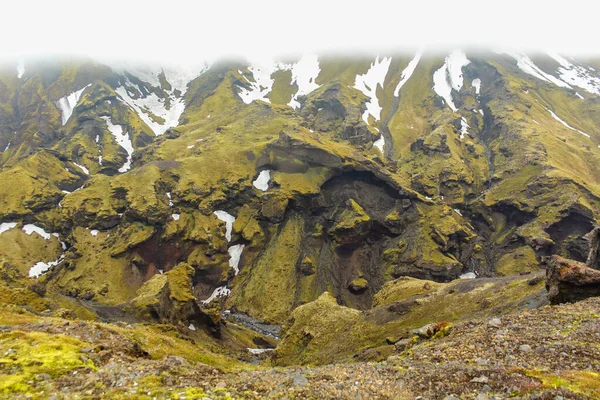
569, 280
168, 298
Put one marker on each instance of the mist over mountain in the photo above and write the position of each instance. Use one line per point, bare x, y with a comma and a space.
201, 217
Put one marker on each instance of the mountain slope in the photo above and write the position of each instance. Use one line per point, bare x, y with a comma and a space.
335, 175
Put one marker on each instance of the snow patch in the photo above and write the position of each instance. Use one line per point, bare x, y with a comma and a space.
565, 124
20, 68
262, 181
191, 327
258, 351
576, 75
170, 199
94, 232
464, 127
6, 226
218, 292
122, 140
576, 94
235, 253
408, 71
41, 267
468, 275
367, 84
526, 65
450, 76
379, 143
30, 228
477, 85
175, 217
7, 147
228, 219
84, 169
191, 146
167, 107
456, 210
304, 74
67, 104
262, 85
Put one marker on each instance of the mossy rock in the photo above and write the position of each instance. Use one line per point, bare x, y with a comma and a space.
358, 285
274, 208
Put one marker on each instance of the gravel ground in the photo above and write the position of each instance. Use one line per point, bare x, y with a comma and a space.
523, 355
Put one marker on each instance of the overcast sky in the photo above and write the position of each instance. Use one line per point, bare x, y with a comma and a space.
185, 31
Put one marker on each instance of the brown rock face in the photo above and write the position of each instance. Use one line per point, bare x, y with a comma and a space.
569, 280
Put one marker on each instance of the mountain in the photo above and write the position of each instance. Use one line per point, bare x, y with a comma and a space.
366, 195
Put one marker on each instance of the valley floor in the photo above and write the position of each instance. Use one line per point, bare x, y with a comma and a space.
548, 353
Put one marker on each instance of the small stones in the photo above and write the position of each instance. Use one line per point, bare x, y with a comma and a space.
495, 323
480, 379
300, 380
402, 345
525, 348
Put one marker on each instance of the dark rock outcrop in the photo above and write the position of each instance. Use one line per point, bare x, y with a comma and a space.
569, 280
168, 298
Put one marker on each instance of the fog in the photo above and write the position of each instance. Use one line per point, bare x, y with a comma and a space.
185, 31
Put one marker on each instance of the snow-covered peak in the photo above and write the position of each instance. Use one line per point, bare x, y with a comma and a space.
170, 105
368, 82
304, 74
263, 83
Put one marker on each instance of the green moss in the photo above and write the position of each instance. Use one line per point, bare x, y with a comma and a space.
180, 282
351, 218
313, 331
282, 90
130, 236
522, 259
148, 293
268, 291
403, 288
275, 207
36, 353
582, 382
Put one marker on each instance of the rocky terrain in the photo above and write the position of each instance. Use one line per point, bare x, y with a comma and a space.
544, 353
286, 227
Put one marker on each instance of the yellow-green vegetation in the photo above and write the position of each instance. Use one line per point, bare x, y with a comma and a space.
24, 355
311, 336
97, 271
520, 260
180, 282
267, 290
351, 217
401, 289
583, 382
148, 295
22, 251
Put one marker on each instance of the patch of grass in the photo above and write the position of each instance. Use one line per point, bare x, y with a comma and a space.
27, 354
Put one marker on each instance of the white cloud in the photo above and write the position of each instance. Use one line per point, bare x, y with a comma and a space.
188, 30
